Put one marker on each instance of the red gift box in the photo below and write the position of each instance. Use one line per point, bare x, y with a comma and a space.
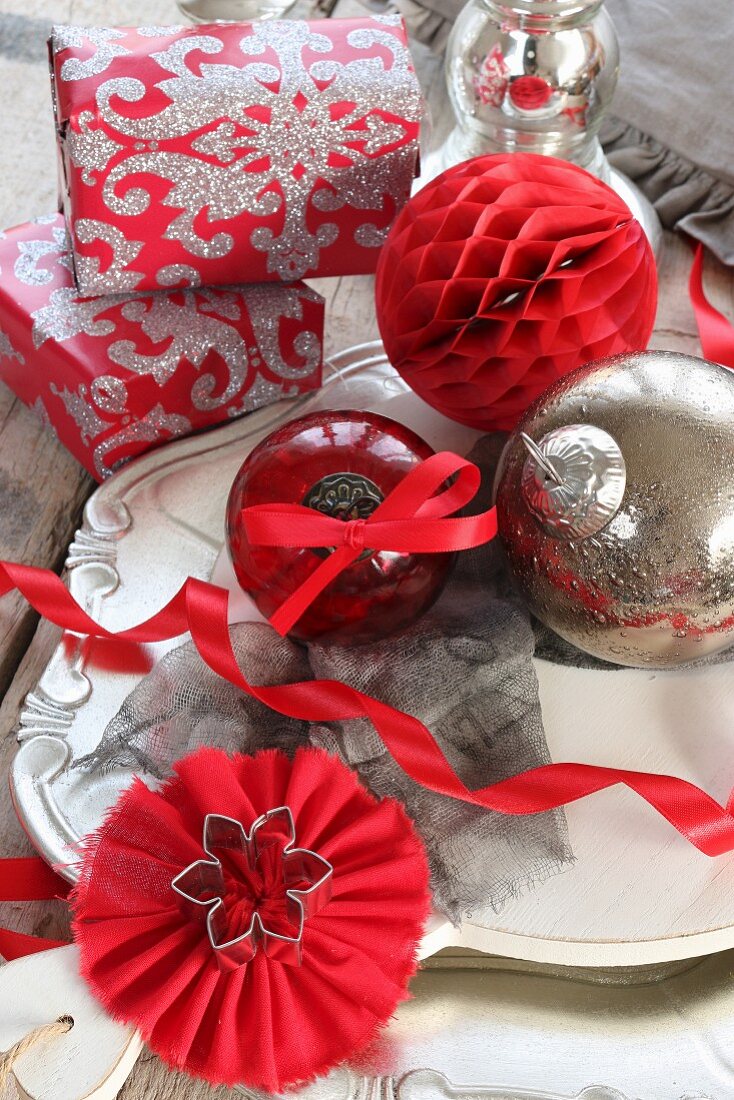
119, 374
191, 156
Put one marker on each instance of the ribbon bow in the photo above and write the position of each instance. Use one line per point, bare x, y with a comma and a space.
415, 518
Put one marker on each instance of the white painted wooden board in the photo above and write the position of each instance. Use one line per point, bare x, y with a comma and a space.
92, 1061
635, 879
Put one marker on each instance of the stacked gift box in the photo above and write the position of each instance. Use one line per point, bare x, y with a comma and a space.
204, 172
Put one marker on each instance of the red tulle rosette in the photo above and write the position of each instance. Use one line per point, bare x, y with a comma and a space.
504, 274
267, 1024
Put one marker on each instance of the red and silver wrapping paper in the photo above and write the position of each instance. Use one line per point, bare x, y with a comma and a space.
228, 153
119, 374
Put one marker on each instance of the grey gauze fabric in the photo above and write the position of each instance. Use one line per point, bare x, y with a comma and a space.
465, 670
671, 126
182, 704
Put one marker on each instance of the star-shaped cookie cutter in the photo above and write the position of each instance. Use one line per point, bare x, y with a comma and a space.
200, 887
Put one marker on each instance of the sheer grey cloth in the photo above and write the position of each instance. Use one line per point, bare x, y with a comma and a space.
182, 704
465, 669
671, 128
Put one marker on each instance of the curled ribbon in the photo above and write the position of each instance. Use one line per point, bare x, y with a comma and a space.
715, 331
28, 879
415, 518
201, 609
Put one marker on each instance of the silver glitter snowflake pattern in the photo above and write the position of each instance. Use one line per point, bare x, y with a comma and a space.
81, 411
295, 131
90, 148
117, 275
104, 39
186, 334
66, 316
261, 392
159, 30
267, 306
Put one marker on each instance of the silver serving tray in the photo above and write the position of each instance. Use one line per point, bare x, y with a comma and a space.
160, 519
505, 1035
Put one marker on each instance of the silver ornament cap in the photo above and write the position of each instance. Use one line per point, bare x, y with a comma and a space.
573, 480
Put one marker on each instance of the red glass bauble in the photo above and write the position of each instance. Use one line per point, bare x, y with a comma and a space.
504, 274
342, 463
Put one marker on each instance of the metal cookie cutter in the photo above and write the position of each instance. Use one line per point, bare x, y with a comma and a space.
200, 887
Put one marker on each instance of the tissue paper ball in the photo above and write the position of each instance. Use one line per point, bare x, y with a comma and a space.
617, 508
504, 274
344, 464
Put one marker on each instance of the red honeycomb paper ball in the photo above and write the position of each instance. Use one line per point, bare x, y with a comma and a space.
504, 274
343, 463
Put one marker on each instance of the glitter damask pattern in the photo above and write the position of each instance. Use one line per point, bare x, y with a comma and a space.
28, 268
117, 275
120, 373
155, 427
282, 149
104, 49
7, 351
67, 315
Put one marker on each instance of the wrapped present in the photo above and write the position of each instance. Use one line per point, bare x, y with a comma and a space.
119, 374
191, 155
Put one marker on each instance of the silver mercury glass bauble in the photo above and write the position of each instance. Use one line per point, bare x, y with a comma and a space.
534, 76
615, 501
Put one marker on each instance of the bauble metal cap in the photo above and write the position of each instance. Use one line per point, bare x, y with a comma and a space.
573, 480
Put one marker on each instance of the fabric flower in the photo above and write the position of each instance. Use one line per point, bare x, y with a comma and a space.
267, 1023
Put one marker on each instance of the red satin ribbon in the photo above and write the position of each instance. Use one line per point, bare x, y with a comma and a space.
201, 608
411, 519
28, 879
715, 332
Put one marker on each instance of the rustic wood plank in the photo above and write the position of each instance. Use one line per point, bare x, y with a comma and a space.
42, 488
152, 1081
42, 492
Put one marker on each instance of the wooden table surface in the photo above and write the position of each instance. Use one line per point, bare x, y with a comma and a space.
42, 488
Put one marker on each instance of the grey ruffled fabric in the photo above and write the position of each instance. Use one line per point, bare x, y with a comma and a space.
686, 197
430, 21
